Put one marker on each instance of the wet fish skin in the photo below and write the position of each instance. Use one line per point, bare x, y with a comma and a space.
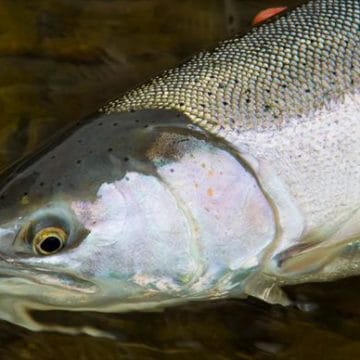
284, 69
275, 111
286, 96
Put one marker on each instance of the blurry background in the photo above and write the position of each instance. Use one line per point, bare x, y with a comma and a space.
62, 59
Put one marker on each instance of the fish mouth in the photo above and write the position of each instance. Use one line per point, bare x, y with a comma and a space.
13, 270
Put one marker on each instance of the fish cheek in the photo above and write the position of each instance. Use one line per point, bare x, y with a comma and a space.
138, 229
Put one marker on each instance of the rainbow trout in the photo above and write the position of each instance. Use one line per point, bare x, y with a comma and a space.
231, 175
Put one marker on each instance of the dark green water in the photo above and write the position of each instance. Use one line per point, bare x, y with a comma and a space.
59, 61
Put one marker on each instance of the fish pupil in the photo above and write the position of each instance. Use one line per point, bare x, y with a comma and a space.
50, 244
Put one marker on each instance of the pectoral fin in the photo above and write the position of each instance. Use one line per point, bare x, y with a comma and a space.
300, 259
311, 256
266, 289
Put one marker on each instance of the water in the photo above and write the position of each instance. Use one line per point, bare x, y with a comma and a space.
59, 61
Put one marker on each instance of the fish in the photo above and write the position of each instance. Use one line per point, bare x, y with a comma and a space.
232, 175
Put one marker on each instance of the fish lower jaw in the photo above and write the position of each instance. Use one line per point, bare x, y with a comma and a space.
32, 282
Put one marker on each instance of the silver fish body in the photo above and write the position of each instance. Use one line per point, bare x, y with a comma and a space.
231, 175
286, 97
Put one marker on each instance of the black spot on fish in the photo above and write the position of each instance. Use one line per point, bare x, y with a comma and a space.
115, 124
126, 159
225, 103
266, 108
78, 161
210, 93
109, 149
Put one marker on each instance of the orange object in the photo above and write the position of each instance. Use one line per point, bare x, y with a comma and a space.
266, 14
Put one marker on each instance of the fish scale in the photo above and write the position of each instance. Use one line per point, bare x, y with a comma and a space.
277, 71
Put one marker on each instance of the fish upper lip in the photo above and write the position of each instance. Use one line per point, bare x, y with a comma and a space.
13, 268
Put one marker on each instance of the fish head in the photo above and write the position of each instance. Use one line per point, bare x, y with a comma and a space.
129, 211
90, 219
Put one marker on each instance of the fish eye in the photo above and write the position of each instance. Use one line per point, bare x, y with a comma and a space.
49, 240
